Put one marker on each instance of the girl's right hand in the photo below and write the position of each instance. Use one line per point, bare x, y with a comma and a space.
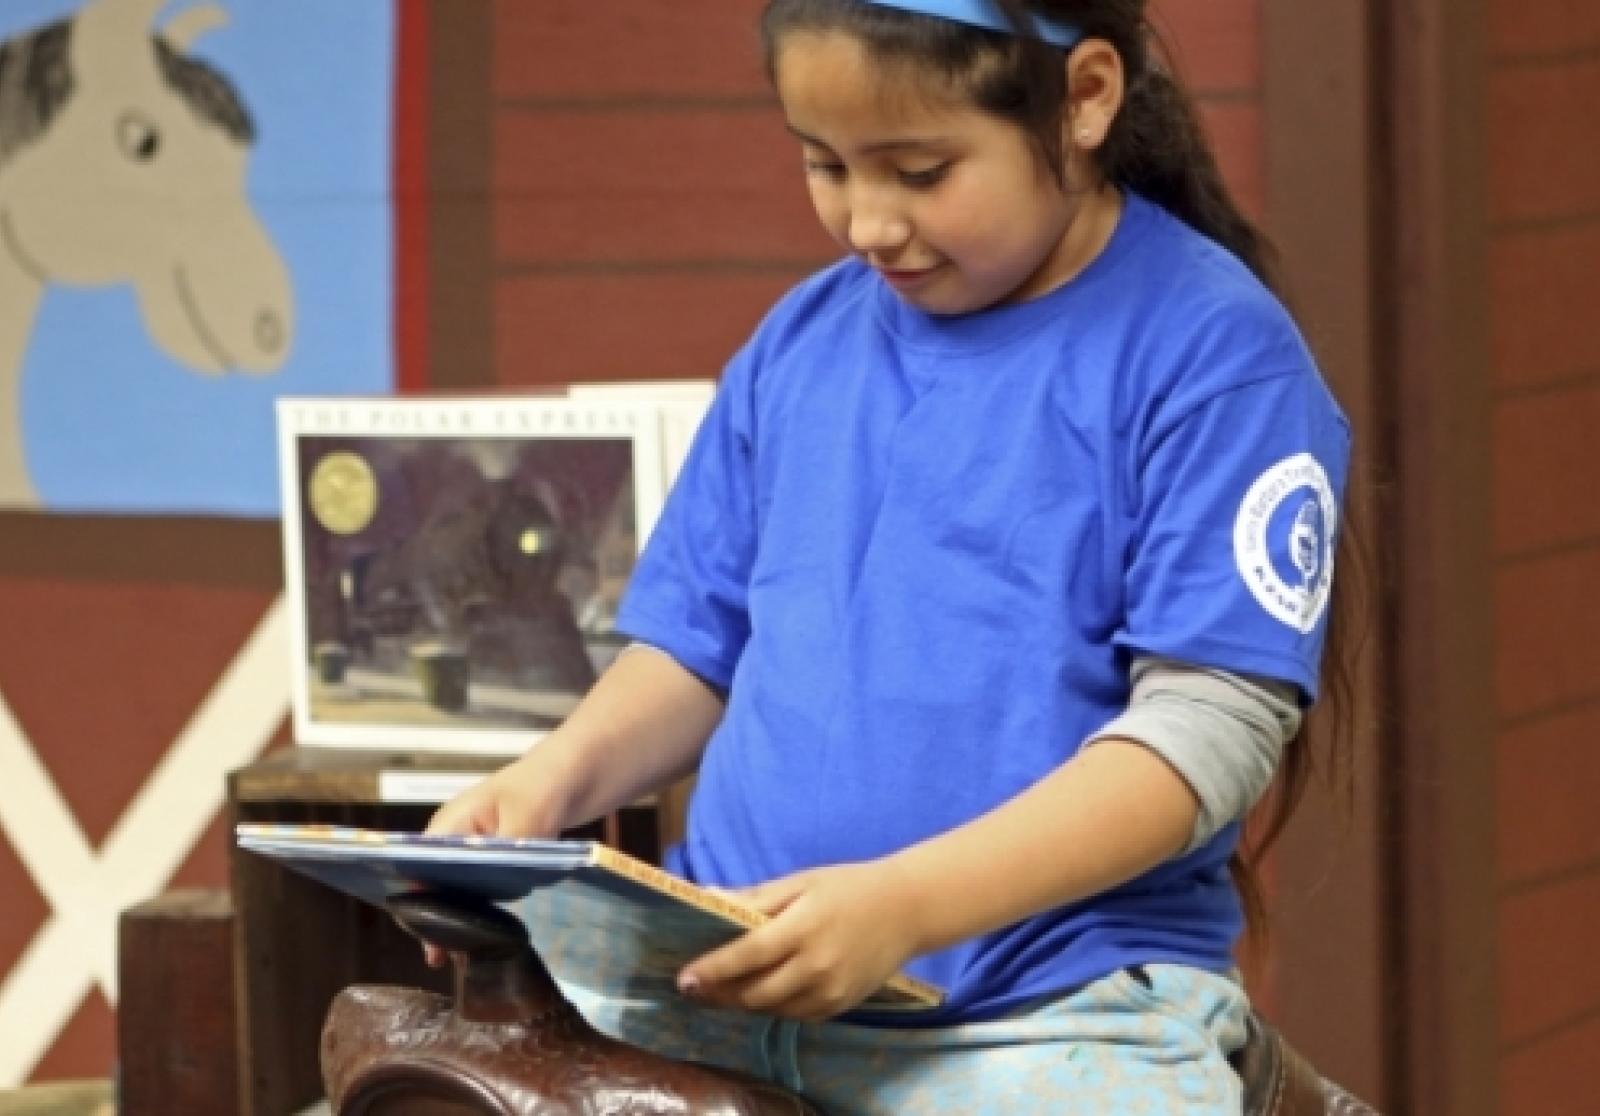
515, 801
644, 724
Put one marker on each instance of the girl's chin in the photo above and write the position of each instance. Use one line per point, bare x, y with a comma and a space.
946, 303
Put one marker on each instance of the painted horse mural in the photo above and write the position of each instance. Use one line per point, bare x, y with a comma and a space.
122, 160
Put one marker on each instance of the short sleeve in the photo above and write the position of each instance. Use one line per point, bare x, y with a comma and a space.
1235, 517
688, 593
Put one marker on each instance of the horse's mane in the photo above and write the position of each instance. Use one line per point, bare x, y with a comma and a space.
35, 82
206, 90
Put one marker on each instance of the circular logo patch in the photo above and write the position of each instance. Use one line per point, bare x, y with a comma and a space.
1283, 540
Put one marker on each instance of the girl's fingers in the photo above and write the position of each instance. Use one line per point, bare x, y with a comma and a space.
773, 896
787, 989
768, 992
454, 817
754, 951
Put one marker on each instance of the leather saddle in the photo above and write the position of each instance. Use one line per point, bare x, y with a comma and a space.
509, 1044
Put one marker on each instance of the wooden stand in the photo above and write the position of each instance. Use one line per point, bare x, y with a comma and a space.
300, 943
176, 1009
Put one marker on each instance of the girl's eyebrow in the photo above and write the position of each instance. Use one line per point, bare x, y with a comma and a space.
903, 143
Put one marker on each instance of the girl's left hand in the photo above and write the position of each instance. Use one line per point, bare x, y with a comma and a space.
836, 935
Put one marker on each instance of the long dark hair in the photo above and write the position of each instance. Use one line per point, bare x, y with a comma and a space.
1156, 148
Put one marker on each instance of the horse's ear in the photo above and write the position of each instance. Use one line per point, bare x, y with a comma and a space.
188, 25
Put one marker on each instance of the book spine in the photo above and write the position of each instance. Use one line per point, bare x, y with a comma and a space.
651, 876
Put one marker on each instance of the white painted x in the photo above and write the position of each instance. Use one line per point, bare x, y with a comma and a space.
77, 945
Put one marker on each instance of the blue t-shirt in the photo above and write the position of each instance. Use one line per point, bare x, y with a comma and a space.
919, 553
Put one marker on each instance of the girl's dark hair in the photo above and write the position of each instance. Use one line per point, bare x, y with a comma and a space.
1156, 148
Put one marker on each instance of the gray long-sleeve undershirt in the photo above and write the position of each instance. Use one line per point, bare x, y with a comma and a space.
1224, 733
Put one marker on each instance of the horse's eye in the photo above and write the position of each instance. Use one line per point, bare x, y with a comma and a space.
138, 137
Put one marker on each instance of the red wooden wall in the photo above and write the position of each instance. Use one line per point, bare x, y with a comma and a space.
647, 200
102, 673
1544, 288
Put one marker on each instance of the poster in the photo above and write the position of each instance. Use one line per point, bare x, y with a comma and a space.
195, 219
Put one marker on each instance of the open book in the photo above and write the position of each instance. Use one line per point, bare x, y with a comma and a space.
602, 891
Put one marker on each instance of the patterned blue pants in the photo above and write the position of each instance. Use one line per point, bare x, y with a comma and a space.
1118, 1047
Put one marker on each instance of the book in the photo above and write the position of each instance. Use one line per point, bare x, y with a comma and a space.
454, 564
590, 886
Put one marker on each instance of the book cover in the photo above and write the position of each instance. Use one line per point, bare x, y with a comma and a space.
588, 886
453, 564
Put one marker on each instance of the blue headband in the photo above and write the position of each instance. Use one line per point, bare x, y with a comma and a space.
985, 14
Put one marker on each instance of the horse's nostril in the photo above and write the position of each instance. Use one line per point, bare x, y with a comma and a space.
269, 331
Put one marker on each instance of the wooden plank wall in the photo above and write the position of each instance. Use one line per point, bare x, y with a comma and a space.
641, 176
1544, 284
647, 209
1332, 993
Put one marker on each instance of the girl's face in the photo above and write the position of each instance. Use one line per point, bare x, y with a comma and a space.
951, 205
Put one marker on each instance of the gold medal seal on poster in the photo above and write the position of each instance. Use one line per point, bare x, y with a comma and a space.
343, 493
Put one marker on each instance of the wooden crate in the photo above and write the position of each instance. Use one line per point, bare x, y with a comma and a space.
176, 1045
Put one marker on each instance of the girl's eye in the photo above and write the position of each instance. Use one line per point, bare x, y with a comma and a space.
924, 179
831, 171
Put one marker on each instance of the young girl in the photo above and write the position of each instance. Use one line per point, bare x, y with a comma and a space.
991, 592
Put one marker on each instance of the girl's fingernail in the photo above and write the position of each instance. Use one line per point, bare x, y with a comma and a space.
689, 985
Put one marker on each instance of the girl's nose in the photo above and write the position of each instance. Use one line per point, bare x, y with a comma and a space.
875, 228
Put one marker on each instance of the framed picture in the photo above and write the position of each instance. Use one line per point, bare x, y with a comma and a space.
454, 566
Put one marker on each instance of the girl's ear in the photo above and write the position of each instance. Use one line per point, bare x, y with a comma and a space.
1095, 88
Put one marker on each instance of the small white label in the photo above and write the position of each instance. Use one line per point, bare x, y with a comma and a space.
425, 786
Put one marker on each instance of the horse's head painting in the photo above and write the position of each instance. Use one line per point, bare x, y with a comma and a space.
123, 160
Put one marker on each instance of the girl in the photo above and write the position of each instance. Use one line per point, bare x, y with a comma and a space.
990, 594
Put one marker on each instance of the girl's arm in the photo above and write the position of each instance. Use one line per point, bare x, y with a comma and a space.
1110, 813
642, 725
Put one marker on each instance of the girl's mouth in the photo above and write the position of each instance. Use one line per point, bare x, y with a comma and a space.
905, 278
